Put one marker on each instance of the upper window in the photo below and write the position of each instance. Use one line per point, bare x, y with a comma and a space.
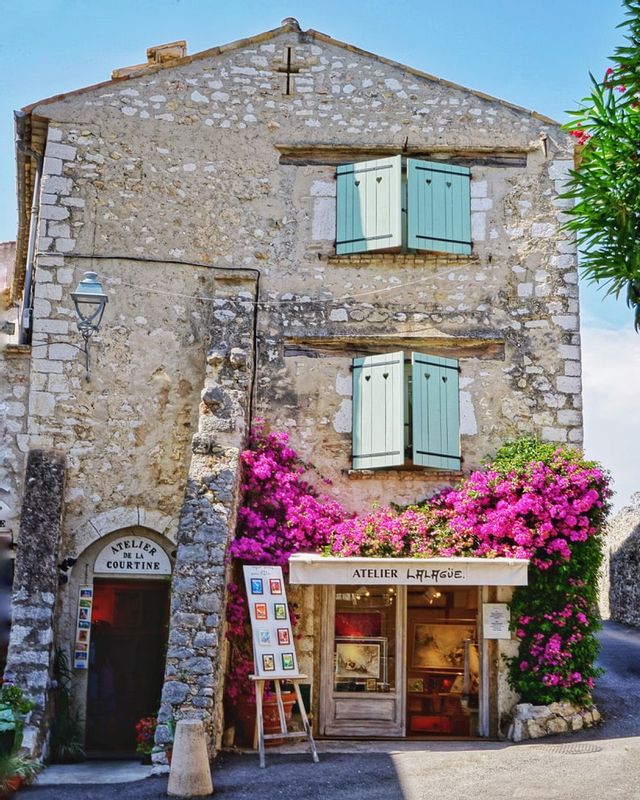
406, 408
426, 208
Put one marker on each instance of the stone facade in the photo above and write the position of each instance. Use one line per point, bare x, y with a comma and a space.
623, 585
203, 193
30, 657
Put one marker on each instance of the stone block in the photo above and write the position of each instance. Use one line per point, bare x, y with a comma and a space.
568, 385
54, 184
174, 692
536, 730
41, 404
63, 151
557, 725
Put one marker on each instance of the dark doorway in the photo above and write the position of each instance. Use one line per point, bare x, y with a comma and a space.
126, 661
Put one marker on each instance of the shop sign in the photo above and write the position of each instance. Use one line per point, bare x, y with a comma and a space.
132, 555
274, 654
333, 571
495, 621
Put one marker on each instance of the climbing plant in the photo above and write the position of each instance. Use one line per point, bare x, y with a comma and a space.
534, 500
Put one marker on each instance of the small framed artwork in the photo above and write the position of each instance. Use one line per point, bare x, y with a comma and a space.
81, 647
83, 635
256, 586
264, 636
372, 684
83, 614
80, 656
275, 586
284, 636
86, 592
260, 610
287, 661
280, 610
84, 623
415, 685
84, 603
268, 662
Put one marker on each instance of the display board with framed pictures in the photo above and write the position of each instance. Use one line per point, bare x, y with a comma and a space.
273, 650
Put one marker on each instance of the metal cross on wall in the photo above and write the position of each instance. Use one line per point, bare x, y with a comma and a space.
289, 69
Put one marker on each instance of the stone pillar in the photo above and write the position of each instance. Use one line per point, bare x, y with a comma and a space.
194, 675
35, 587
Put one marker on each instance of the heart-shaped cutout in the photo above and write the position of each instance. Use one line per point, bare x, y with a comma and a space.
367, 377
385, 375
357, 183
378, 179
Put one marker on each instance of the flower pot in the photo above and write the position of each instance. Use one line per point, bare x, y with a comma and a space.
245, 713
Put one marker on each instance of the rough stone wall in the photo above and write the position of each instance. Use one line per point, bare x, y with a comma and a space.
195, 665
624, 564
14, 388
35, 587
14, 381
152, 180
186, 164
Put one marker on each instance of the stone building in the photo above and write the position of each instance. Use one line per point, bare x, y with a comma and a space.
277, 222
620, 593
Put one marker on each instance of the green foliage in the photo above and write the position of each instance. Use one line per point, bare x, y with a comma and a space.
14, 766
66, 728
14, 705
606, 184
555, 616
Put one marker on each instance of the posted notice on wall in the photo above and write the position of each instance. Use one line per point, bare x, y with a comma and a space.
273, 651
83, 628
495, 621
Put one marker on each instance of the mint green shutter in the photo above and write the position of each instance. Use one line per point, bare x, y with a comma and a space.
439, 207
368, 205
378, 411
436, 414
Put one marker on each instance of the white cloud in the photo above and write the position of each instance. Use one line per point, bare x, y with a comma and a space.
611, 382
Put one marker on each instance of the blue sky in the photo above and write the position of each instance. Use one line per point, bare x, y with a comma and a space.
537, 55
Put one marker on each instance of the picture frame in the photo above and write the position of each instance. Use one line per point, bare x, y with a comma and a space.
439, 646
280, 611
268, 662
364, 658
260, 611
288, 661
284, 636
83, 614
257, 586
275, 585
264, 636
84, 623
415, 685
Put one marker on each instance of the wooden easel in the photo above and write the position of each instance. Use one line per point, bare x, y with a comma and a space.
259, 734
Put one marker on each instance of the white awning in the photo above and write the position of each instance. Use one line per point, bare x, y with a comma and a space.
310, 568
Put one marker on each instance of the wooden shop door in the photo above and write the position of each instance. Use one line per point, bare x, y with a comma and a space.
126, 660
442, 662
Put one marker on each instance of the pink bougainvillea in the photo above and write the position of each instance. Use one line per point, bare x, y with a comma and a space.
534, 501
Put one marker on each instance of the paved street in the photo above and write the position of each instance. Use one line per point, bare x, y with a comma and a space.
602, 763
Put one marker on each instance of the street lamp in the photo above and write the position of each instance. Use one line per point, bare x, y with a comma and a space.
89, 300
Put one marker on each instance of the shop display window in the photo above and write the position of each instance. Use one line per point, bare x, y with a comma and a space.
364, 639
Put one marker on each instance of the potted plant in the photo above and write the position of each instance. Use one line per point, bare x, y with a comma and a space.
145, 733
66, 729
16, 769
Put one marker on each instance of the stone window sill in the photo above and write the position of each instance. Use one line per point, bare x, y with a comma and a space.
403, 259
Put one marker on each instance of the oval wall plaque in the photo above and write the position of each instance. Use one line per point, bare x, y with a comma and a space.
132, 555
